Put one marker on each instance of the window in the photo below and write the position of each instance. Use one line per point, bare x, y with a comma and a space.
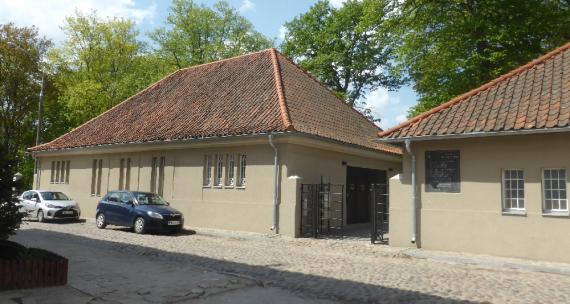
52, 179
554, 190
62, 174
207, 170
128, 178
242, 167
161, 176
230, 174
125, 174
96, 173
121, 174
442, 171
67, 172
219, 178
154, 165
99, 176
513, 190
57, 170
93, 177
157, 175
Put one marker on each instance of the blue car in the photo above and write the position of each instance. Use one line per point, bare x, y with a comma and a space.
142, 211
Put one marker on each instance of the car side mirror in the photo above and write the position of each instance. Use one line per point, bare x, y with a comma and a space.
33, 199
167, 204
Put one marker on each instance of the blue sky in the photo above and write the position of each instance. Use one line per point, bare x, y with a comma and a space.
268, 17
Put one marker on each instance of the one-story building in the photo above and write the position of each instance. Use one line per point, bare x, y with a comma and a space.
228, 143
487, 172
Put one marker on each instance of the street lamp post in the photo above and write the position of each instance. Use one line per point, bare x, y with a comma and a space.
39, 132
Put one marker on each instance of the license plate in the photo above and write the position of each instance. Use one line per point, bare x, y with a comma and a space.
173, 222
67, 212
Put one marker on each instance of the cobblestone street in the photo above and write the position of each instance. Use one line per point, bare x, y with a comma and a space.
315, 271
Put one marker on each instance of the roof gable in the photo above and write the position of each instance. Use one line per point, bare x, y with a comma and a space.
533, 96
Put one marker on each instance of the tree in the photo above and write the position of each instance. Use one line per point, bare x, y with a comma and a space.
449, 47
21, 50
197, 34
100, 64
346, 48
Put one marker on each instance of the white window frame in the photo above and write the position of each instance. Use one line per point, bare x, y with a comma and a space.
510, 208
242, 169
207, 179
553, 211
230, 170
219, 171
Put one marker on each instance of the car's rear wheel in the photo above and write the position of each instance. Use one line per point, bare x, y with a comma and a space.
41, 217
101, 221
140, 226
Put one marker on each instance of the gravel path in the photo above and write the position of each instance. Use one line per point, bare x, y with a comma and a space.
343, 271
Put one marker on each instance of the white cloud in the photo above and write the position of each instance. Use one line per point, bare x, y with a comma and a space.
379, 99
282, 32
387, 106
49, 16
246, 5
337, 3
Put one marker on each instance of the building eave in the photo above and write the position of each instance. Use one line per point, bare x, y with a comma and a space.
220, 141
475, 135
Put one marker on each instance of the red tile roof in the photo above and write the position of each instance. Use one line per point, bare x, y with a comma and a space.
256, 93
535, 96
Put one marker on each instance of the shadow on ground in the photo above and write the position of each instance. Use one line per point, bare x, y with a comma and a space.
267, 276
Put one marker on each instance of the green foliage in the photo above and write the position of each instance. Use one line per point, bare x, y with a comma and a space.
100, 64
10, 218
197, 34
449, 47
346, 48
21, 50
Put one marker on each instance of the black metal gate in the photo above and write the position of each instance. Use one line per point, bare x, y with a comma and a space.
322, 210
379, 203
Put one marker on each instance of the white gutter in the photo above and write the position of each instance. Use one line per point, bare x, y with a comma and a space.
413, 177
476, 134
275, 226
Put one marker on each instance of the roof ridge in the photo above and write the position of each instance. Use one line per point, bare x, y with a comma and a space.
280, 95
224, 60
326, 88
156, 83
479, 89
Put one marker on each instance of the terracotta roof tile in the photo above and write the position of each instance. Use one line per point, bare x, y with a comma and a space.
533, 96
256, 93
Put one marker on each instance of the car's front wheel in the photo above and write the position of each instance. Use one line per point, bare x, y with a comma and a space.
100, 221
140, 226
41, 217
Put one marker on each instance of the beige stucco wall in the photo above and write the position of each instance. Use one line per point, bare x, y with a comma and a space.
247, 209
314, 165
473, 221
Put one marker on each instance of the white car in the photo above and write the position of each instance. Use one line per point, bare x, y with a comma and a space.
47, 205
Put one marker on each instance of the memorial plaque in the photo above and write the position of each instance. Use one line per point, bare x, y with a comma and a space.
442, 171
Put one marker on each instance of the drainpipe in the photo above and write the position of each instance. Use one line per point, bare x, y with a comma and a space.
413, 205
275, 226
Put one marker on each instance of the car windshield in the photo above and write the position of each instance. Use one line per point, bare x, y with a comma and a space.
54, 196
149, 199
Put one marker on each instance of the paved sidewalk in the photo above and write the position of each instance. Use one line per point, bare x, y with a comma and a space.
109, 265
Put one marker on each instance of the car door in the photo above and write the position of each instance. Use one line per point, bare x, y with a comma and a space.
112, 205
125, 209
32, 203
24, 202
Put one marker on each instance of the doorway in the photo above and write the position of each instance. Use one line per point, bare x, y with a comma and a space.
359, 183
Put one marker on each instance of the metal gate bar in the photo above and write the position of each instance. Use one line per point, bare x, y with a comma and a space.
322, 210
379, 203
